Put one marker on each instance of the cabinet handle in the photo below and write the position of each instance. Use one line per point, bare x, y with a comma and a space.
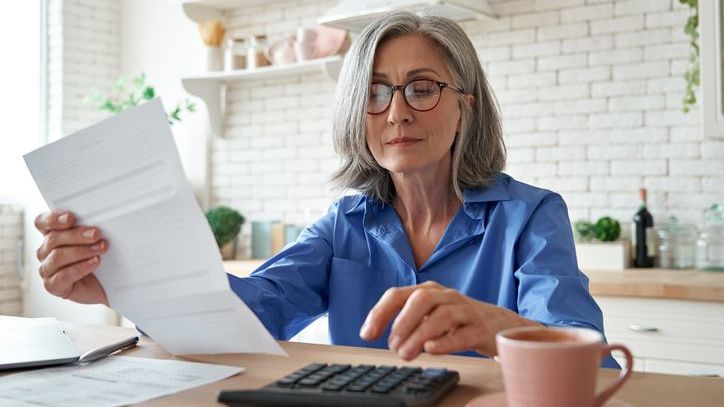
704, 374
642, 328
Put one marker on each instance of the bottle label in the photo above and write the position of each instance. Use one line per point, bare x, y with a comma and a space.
633, 240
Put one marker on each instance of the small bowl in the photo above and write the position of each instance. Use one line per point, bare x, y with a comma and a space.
331, 41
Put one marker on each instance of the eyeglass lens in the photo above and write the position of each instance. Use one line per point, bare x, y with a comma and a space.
421, 95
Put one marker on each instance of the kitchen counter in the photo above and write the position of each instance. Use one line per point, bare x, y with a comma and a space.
659, 283
642, 283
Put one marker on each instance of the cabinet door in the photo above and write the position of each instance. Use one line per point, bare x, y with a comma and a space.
684, 368
666, 330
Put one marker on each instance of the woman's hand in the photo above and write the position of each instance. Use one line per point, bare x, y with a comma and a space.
437, 320
69, 255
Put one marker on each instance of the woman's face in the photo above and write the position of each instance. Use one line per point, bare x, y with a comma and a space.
401, 139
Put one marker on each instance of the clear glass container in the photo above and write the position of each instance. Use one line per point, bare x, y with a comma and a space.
676, 244
710, 244
255, 57
663, 248
235, 54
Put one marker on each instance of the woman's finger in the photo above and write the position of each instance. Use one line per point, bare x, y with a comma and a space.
460, 339
64, 256
442, 320
54, 220
421, 303
74, 237
61, 283
382, 313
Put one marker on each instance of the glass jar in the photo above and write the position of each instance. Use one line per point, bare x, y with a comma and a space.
663, 248
710, 244
683, 246
235, 54
676, 245
255, 57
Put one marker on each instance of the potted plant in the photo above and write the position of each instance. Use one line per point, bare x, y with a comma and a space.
124, 96
225, 223
598, 247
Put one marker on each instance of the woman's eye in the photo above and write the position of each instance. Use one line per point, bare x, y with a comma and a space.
378, 93
422, 89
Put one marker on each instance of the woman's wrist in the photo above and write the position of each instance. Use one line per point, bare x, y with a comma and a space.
504, 319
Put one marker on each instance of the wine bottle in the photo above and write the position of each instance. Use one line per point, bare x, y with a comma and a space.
642, 235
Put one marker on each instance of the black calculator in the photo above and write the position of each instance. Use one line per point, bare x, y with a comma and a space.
322, 385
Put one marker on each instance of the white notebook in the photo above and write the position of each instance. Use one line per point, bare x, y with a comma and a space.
31, 342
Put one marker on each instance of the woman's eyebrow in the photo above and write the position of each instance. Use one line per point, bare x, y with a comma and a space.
411, 73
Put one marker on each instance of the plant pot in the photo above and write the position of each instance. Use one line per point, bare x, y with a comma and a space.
603, 256
228, 251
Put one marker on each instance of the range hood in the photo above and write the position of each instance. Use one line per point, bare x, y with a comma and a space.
354, 15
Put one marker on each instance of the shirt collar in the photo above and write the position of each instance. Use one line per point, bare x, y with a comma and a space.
496, 191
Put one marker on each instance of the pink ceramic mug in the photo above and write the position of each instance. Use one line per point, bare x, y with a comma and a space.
556, 367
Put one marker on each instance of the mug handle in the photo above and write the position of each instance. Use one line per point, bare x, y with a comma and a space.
625, 373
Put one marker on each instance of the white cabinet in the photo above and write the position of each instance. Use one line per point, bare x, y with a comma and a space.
668, 336
711, 23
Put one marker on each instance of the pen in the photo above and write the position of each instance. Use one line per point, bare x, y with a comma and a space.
105, 351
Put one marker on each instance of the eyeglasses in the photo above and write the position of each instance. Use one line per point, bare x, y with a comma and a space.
420, 94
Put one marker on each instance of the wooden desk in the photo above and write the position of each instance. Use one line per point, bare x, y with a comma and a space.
478, 376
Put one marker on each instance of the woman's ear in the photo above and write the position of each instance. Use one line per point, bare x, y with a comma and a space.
469, 99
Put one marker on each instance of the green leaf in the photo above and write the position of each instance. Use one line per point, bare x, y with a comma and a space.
149, 93
691, 76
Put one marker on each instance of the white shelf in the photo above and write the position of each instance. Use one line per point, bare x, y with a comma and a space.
210, 87
205, 10
354, 16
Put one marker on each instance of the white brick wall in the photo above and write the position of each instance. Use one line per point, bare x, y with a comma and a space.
11, 237
83, 44
590, 92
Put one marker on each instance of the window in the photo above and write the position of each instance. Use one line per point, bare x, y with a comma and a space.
21, 73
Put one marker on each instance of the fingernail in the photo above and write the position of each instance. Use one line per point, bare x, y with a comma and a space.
405, 353
63, 219
394, 342
366, 331
89, 234
96, 246
93, 260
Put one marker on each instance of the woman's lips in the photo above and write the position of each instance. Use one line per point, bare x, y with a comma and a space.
402, 141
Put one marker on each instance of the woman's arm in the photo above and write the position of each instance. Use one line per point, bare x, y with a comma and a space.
290, 290
551, 288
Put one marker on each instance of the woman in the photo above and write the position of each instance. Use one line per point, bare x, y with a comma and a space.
438, 252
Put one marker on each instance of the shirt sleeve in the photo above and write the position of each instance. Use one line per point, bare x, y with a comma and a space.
290, 290
551, 288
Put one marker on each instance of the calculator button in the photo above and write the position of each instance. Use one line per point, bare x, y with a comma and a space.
434, 373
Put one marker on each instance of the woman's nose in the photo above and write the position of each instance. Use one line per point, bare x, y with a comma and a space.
399, 111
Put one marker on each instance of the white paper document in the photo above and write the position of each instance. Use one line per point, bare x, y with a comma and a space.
114, 381
163, 270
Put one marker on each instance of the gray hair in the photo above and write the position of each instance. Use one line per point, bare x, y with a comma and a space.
478, 153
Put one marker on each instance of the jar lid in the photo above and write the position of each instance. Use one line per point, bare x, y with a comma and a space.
715, 214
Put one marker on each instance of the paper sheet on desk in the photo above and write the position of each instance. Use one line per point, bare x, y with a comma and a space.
163, 270
115, 381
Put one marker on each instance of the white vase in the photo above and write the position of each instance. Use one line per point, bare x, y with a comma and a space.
214, 59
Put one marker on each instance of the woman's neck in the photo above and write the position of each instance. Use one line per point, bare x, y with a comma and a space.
423, 199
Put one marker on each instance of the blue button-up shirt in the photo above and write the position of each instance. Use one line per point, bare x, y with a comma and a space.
509, 244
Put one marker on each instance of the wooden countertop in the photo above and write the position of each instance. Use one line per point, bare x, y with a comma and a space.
477, 376
659, 283
643, 283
